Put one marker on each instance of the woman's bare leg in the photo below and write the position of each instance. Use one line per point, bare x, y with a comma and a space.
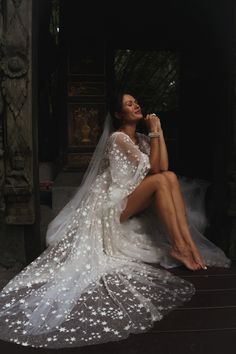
182, 215
157, 187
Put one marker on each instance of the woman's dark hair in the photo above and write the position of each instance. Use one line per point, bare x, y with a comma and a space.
116, 105
116, 101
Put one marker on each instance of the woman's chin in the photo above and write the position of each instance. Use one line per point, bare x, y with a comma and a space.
139, 116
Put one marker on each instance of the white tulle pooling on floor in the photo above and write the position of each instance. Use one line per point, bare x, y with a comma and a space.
95, 283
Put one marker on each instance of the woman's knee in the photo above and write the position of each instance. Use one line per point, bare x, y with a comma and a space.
170, 176
159, 180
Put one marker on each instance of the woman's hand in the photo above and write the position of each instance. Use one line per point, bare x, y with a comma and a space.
153, 122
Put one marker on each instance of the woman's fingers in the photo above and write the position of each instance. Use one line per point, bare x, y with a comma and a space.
152, 116
152, 121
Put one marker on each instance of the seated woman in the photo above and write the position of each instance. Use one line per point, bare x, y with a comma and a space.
162, 186
93, 284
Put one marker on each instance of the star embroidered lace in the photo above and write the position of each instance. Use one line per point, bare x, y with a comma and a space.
97, 283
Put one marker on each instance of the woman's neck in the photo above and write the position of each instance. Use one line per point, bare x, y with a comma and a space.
129, 130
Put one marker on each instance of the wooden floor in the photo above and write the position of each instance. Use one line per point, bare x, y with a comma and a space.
205, 325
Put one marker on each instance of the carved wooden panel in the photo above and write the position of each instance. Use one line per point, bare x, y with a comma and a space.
79, 161
16, 92
86, 103
84, 124
79, 89
2, 168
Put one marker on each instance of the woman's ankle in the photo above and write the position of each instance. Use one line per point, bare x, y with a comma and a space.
179, 247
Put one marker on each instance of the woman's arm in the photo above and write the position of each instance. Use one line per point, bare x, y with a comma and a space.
164, 160
128, 164
154, 156
158, 151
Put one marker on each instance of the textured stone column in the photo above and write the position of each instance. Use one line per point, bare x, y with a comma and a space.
16, 111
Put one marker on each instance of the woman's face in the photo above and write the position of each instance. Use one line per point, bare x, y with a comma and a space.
131, 111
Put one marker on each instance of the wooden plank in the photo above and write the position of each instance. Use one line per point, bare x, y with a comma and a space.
208, 342
183, 271
217, 342
212, 299
197, 319
216, 283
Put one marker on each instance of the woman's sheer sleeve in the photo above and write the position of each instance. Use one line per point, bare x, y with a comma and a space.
128, 165
145, 143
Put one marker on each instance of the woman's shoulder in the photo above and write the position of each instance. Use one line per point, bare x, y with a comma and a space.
115, 137
117, 134
123, 136
114, 134
120, 132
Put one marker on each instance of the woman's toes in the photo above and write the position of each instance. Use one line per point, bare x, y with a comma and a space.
197, 257
185, 257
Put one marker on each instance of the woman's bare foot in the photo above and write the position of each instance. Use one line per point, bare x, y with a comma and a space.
196, 255
184, 255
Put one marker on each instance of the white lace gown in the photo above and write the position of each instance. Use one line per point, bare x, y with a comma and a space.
96, 283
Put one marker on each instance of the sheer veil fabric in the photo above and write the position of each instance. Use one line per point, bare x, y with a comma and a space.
96, 282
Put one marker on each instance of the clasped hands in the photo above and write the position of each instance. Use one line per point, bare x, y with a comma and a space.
153, 122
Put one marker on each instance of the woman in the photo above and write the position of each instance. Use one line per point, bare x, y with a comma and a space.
93, 283
162, 186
